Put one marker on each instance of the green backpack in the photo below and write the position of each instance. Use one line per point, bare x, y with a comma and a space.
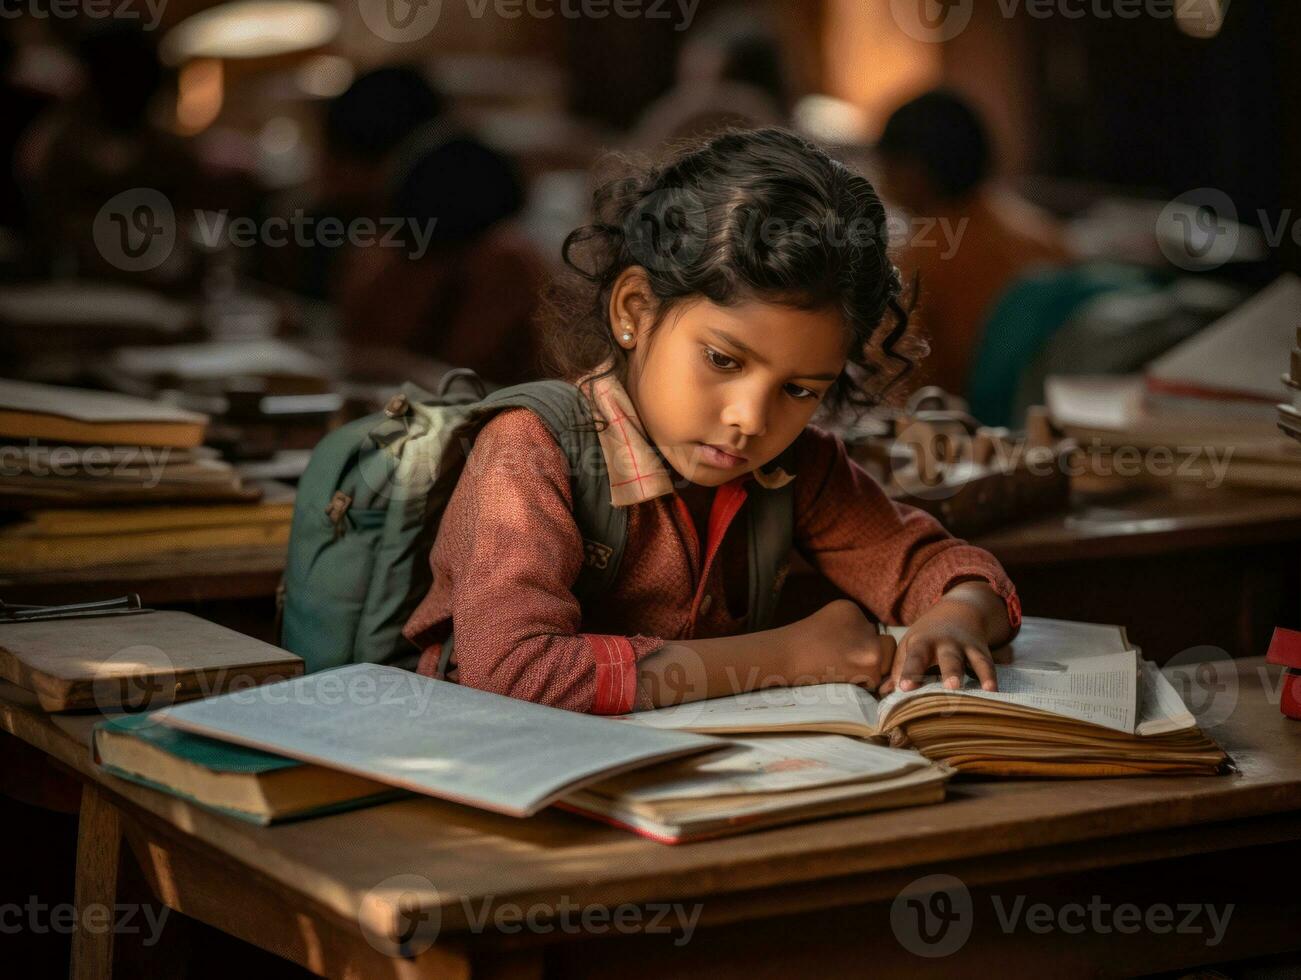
369, 503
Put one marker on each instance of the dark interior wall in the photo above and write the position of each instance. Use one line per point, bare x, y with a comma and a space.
1136, 104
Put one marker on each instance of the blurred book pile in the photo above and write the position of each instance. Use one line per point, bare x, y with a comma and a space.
90, 478
1289, 414
1206, 413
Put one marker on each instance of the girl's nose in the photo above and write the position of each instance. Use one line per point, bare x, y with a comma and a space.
748, 414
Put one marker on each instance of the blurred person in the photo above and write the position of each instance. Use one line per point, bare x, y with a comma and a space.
729, 76
22, 107
968, 240
364, 129
103, 142
462, 284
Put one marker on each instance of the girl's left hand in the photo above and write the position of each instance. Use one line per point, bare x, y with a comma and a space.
951, 634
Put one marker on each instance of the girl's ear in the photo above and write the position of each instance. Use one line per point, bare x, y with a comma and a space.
632, 306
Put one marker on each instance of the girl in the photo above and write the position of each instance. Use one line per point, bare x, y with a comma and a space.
716, 302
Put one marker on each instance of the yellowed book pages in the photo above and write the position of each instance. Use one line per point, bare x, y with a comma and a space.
56, 413
83, 551
273, 508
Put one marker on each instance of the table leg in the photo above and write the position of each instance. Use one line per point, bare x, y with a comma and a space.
99, 847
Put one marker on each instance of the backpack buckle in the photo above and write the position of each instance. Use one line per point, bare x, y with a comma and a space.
337, 509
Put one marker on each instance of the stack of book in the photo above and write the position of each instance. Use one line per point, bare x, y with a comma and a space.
1203, 413
1074, 700
1289, 415
90, 478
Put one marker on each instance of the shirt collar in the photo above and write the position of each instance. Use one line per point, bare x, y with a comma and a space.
637, 472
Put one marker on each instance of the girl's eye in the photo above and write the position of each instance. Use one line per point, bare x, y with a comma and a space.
718, 360
800, 393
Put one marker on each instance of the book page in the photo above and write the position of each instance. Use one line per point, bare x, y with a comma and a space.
1161, 709
1099, 690
1053, 639
431, 736
767, 710
764, 764
1242, 352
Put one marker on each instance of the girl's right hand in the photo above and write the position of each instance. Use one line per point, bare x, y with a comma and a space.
838, 644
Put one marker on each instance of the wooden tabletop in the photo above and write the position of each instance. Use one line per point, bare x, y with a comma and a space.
231, 573
1148, 524
453, 858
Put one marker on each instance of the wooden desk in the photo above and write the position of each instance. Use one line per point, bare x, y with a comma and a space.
1218, 568
812, 899
234, 587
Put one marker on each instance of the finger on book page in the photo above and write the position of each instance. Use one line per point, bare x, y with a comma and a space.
952, 668
982, 665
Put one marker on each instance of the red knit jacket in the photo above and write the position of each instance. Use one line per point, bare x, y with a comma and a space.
508, 553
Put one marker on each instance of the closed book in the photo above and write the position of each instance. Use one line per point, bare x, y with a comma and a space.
242, 782
59, 414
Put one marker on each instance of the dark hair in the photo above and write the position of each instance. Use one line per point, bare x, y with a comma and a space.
379, 110
942, 132
761, 214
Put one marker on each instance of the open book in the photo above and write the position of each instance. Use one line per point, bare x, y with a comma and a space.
1072, 699
428, 736
761, 782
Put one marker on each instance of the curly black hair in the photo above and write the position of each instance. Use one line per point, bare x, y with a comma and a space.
752, 214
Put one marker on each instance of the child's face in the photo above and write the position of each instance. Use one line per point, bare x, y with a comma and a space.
723, 390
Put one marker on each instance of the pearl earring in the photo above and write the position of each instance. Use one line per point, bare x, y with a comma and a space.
626, 336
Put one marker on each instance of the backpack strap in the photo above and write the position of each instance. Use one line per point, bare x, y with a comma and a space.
564, 410
772, 535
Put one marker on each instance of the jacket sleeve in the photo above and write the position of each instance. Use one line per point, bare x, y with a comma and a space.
509, 552
894, 559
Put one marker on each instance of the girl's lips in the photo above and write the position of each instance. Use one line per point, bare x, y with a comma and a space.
715, 456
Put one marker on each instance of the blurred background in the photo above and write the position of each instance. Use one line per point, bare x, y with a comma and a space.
263, 216
227, 227
378, 178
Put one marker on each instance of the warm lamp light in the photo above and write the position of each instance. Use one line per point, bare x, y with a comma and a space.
251, 29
